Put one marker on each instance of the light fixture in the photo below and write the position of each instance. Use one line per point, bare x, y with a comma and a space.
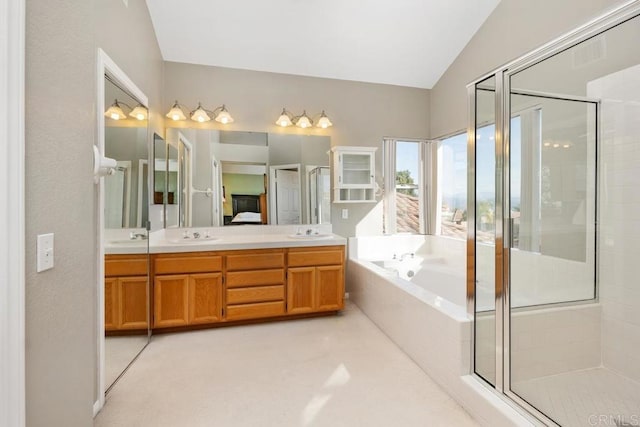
176, 113
201, 114
323, 121
115, 112
223, 116
303, 120
284, 120
139, 112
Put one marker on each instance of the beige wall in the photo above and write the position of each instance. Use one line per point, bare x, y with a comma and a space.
514, 28
61, 42
60, 303
362, 113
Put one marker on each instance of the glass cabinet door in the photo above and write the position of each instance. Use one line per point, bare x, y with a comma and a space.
357, 169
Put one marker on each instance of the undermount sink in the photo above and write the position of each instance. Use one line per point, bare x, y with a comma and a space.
311, 236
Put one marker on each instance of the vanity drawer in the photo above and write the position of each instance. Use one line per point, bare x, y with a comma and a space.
188, 264
238, 279
125, 266
253, 311
255, 294
313, 258
255, 261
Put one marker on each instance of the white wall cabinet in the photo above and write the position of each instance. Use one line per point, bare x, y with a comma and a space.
354, 174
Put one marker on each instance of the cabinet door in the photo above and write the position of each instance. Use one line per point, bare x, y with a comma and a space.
356, 170
300, 289
329, 288
170, 300
111, 309
133, 302
205, 298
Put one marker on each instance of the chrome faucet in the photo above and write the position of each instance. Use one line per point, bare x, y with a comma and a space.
196, 235
411, 254
135, 236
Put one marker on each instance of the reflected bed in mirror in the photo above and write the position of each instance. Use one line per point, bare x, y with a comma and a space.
286, 177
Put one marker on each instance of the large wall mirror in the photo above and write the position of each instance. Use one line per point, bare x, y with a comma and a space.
126, 193
217, 178
125, 140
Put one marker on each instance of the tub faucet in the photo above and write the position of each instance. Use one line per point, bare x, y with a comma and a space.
411, 254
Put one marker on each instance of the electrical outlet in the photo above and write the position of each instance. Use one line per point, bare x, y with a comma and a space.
345, 213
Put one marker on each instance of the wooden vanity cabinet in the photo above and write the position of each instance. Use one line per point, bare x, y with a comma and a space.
125, 289
255, 284
187, 289
214, 288
315, 279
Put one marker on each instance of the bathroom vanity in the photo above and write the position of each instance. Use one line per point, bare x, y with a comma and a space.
225, 280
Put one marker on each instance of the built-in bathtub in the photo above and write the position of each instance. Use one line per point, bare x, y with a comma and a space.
413, 288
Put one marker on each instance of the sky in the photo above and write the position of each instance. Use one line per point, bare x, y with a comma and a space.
454, 159
408, 158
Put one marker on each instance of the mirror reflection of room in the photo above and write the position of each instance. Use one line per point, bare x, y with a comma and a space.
126, 190
126, 213
243, 178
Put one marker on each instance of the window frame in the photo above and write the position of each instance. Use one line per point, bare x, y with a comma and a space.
425, 184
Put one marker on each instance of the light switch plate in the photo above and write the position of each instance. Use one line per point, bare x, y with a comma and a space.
345, 213
44, 251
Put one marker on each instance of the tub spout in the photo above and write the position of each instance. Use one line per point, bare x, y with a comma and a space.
406, 254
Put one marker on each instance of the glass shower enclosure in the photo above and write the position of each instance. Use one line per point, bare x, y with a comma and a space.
554, 159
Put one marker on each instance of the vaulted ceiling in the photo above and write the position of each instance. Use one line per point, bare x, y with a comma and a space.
399, 42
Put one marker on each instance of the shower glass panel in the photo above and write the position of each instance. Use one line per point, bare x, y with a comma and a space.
574, 161
485, 204
554, 161
319, 195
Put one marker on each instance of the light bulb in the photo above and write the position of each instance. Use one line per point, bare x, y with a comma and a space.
114, 116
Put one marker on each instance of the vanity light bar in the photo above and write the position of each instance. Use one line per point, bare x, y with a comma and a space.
200, 114
303, 120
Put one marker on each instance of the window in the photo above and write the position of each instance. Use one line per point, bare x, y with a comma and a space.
405, 177
452, 180
451, 218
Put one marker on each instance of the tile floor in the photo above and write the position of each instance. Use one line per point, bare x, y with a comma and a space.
331, 371
590, 397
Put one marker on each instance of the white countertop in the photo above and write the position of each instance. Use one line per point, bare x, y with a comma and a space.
223, 239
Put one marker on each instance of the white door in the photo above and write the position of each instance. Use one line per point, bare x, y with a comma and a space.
288, 196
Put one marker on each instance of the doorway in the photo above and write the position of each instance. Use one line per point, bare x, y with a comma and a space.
285, 194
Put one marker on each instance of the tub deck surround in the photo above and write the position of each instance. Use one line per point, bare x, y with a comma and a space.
426, 316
